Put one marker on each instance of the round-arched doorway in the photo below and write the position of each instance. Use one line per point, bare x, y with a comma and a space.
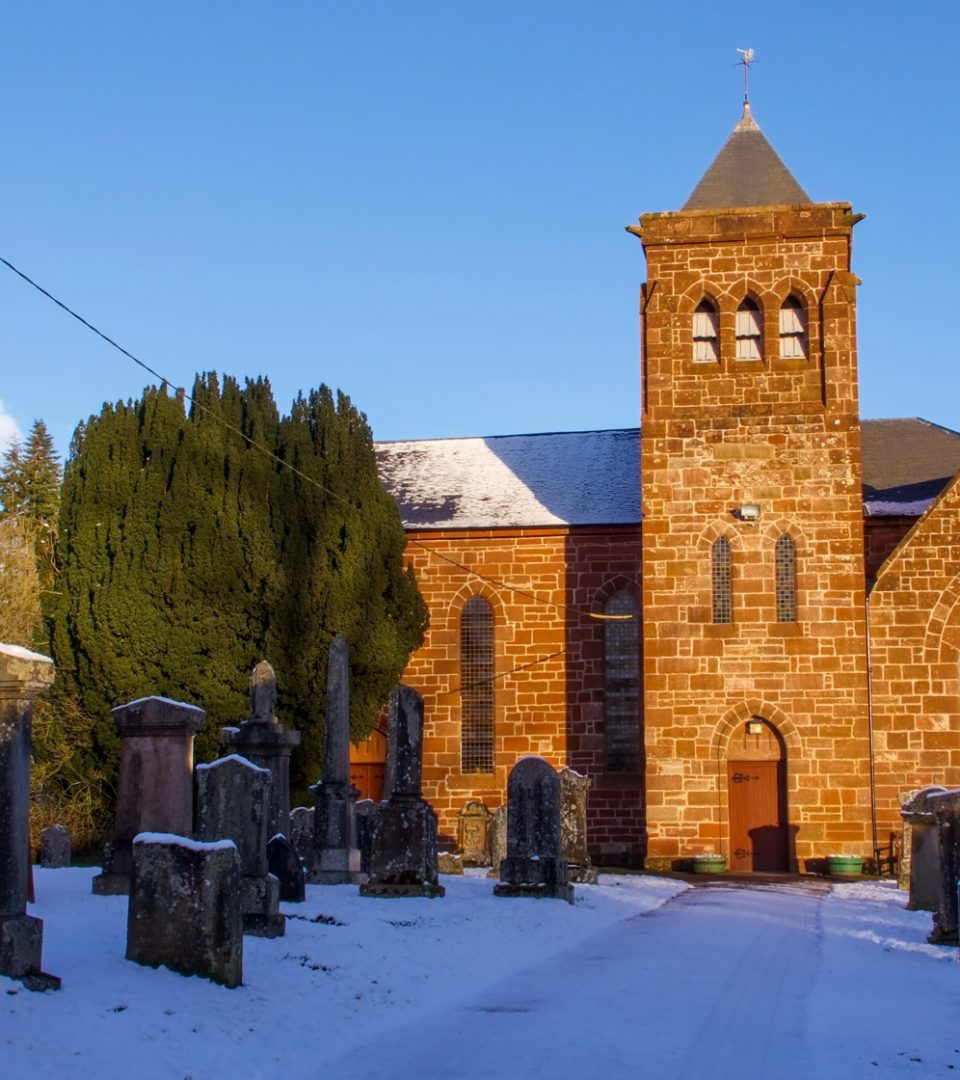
757, 798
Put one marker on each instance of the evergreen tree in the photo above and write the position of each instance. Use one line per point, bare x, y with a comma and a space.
187, 554
40, 498
11, 480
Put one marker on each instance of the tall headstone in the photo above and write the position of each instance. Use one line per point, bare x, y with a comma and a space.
337, 858
233, 800
262, 739
946, 812
23, 675
534, 865
54, 847
473, 834
184, 910
920, 859
573, 827
498, 839
302, 834
403, 830
155, 787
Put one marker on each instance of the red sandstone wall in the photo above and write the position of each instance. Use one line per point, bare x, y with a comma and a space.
783, 434
880, 536
548, 695
915, 652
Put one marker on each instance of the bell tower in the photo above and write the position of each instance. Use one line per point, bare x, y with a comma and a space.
755, 668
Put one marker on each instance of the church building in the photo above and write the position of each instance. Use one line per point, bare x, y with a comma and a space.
741, 621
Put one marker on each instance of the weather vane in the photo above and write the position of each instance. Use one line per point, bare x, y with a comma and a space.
746, 59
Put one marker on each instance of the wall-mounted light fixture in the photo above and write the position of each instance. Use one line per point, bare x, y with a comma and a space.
749, 512
754, 727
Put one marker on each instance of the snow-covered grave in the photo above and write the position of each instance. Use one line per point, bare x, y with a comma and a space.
638, 977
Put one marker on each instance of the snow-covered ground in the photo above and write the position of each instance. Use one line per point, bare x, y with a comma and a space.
706, 982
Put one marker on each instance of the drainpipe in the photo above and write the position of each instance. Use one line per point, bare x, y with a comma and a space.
873, 765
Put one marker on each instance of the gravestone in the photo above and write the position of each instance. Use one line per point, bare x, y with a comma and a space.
534, 865
302, 836
233, 800
23, 676
262, 739
365, 811
155, 786
573, 827
946, 811
337, 857
403, 830
473, 834
450, 862
285, 865
54, 847
498, 840
184, 910
920, 861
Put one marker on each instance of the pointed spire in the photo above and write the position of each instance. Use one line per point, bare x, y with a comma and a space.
746, 172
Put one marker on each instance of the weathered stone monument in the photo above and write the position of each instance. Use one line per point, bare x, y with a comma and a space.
498, 840
946, 812
337, 857
403, 830
285, 865
919, 869
233, 803
155, 786
473, 834
573, 827
534, 865
262, 739
302, 835
23, 675
54, 847
184, 910
365, 811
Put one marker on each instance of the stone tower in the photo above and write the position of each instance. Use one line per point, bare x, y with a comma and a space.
755, 668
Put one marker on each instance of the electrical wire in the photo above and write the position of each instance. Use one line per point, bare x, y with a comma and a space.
253, 444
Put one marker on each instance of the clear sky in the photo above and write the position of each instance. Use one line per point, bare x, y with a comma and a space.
424, 203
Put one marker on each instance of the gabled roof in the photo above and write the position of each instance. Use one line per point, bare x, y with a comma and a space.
906, 464
746, 172
593, 477
515, 481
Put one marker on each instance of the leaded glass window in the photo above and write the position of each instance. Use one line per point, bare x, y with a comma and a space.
621, 667
722, 575
786, 569
476, 686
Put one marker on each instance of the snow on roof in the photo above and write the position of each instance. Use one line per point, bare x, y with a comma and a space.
504, 481
20, 653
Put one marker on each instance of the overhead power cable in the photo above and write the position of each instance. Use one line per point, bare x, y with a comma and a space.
496, 582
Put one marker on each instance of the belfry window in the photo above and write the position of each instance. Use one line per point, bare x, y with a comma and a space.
706, 327
476, 686
786, 571
793, 330
722, 580
749, 331
621, 683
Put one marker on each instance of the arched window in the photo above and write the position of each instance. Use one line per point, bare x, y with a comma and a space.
793, 329
786, 569
621, 683
706, 329
749, 331
476, 686
722, 574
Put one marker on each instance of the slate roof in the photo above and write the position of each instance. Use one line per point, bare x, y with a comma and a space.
746, 172
593, 477
906, 464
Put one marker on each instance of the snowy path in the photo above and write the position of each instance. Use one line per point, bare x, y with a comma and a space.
731, 1003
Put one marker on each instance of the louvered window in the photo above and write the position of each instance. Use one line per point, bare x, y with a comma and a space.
476, 686
706, 324
722, 575
786, 570
621, 664
793, 330
749, 331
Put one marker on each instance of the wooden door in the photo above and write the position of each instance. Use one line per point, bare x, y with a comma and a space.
758, 819
367, 778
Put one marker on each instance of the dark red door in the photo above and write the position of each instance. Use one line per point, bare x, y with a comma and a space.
368, 779
758, 821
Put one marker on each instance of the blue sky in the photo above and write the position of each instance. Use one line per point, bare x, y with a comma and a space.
424, 203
